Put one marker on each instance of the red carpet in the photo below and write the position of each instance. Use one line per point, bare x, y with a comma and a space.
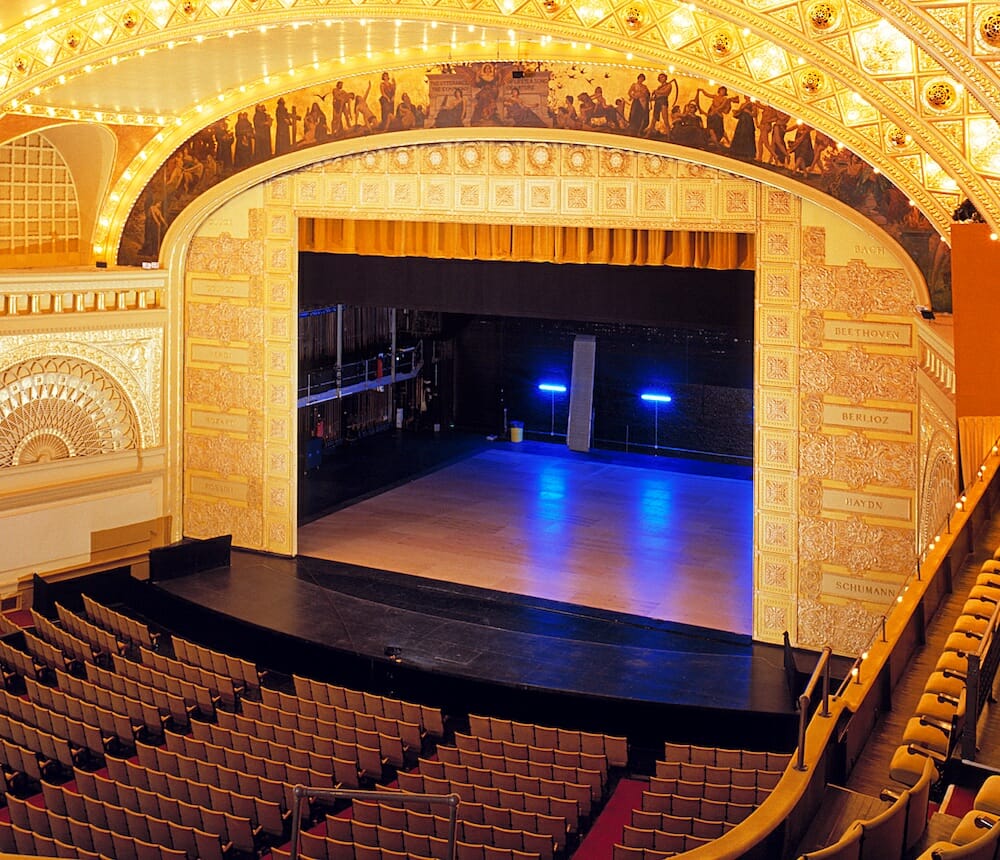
607, 830
958, 801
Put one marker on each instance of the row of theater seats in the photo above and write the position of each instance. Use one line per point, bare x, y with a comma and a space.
430, 719
123, 626
156, 819
259, 799
18, 841
395, 739
555, 804
209, 769
613, 747
697, 794
245, 676
406, 839
474, 750
977, 835
351, 762
941, 709
450, 758
927, 743
332, 849
71, 646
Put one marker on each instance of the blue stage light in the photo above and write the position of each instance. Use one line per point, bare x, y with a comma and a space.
552, 388
651, 397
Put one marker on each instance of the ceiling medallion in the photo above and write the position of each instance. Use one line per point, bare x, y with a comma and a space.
633, 17
721, 43
823, 15
989, 27
940, 95
897, 138
812, 81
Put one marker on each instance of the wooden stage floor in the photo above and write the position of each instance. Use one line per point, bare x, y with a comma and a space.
518, 579
647, 536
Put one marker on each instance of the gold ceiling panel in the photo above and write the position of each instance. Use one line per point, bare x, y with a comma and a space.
865, 59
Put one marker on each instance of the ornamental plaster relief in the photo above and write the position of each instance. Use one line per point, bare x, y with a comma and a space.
131, 357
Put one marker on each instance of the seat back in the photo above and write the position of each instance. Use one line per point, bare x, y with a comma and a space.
883, 836
848, 847
916, 810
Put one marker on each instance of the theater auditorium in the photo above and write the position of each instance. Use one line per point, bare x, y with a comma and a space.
499, 429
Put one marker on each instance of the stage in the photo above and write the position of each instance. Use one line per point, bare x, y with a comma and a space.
656, 537
504, 546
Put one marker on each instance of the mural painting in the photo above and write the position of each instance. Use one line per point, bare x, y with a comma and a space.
680, 110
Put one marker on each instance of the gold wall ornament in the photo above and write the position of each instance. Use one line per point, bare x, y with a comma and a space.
130, 19
722, 43
989, 27
633, 17
21, 64
73, 40
551, 6
897, 138
812, 81
59, 406
824, 15
189, 7
940, 94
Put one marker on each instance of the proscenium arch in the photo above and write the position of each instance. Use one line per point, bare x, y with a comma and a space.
302, 166
905, 166
130, 187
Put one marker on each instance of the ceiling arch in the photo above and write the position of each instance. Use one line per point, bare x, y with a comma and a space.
906, 89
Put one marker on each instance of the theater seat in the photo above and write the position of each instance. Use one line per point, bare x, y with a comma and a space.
975, 825
848, 847
988, 796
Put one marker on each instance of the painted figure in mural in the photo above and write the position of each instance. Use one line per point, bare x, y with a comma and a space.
452, 110
659, 123
638, 117
343, 101
223, 146
363, 114
587, 109
566, 114
262, 123
688, 129
406, 115
800, 150
314, 127
154, 225
721, 104
387, 99
282, 128
244, 142
779, 148
485, 110
609, 113
518, 113
744, 142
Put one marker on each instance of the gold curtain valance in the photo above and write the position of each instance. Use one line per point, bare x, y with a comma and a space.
621, 246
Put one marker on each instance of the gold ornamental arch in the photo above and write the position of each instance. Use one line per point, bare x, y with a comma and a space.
910, 87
